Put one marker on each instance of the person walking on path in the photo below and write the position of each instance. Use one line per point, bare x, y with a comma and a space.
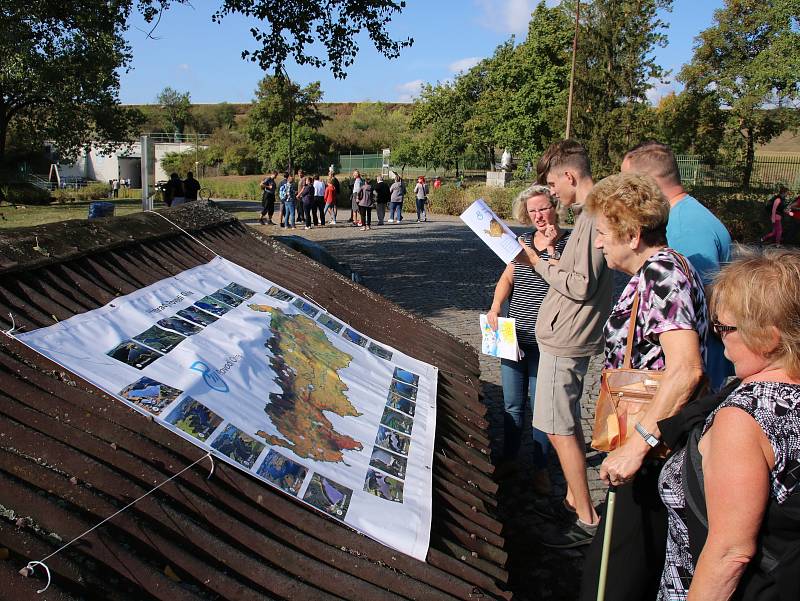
776, 206
305, 197
569, 330
397, 192
282, 192
692, 230
354, 210
268, 186
366, 200
319, 201
330, 201
421, 195
525, 289
191, 187
382, 196
290, 202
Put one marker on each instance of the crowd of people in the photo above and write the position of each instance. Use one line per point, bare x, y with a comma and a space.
705, 486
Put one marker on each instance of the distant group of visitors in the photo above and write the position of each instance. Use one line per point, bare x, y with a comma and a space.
300, 197
719, 518
115, 185
177, 191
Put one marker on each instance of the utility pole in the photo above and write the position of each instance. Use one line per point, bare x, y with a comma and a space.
572, 71
291, 114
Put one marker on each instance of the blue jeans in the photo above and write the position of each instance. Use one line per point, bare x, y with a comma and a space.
289, 213
398, 208
421, 208
519, 386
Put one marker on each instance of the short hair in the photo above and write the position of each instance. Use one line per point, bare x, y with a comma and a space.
519, 208
632, 204
189, 174
285, 174
655, 159
564, 153
759, 290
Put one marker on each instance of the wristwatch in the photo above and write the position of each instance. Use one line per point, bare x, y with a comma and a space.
556, 255
648, 438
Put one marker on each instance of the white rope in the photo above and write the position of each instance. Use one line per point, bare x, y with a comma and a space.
184, 231
10, 332
29, 569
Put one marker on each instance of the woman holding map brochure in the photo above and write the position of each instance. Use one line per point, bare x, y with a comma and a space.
525, 289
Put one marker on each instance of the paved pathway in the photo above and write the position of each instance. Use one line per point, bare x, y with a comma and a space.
443, 272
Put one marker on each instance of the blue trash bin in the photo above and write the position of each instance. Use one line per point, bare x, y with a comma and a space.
101, 208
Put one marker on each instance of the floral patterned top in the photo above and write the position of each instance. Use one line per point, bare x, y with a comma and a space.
776, 408
669, 299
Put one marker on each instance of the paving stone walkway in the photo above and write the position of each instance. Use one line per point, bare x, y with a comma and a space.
441, 271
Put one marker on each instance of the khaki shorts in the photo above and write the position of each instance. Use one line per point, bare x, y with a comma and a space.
559, 386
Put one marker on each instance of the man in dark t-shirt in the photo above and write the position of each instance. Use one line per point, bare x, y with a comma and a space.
268, 198
190, 187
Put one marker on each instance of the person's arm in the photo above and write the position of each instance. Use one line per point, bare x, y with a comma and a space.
501, 292
737, 459
580, 282
682, 374
775, 205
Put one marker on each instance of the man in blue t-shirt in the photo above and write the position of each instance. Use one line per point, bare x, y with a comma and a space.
692, 230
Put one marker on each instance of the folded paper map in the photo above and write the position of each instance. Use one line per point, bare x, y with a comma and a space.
501, 342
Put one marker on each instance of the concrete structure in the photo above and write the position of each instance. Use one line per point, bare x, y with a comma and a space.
125, 162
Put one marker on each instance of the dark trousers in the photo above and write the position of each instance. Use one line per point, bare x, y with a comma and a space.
366, 215
300, 210
267, 205
308, 212
638, 542
319, 209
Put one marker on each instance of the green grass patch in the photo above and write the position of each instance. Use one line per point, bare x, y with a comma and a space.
30, 215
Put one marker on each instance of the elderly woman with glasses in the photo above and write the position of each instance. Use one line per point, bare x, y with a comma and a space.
525, 290
732, 490
665, 304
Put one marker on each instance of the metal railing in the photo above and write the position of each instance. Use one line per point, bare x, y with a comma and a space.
177, 138
768, 171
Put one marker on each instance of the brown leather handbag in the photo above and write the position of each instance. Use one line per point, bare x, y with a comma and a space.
626, 393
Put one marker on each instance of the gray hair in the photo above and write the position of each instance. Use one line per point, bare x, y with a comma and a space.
519, 209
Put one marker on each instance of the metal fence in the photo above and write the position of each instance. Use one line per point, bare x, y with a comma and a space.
768, 171
372, 164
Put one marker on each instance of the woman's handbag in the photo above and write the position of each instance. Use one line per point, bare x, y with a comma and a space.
626, 393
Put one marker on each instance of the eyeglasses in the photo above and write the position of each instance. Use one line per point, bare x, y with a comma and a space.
721, 329
544, 210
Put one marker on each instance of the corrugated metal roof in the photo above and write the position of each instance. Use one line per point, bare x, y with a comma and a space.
70, 455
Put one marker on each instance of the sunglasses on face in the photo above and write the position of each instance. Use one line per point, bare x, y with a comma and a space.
721, 329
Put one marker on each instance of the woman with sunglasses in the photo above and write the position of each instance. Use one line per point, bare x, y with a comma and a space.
732, 491
525, 289
666, 303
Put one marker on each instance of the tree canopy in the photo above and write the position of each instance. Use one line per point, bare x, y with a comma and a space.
60, 62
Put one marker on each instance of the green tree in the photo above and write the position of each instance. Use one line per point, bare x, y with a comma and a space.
278, 103
59, 77
692, 123
615, 69
750, 60
177, 106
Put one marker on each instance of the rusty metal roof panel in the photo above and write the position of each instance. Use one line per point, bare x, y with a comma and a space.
70, 455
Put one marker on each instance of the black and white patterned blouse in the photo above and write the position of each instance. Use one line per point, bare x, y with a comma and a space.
776, 408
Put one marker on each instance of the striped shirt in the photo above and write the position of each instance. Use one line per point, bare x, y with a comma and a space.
528, 293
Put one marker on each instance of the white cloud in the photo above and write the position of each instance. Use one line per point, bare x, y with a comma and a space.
659, 90
464, 64
506, 16
183, 67
409, 90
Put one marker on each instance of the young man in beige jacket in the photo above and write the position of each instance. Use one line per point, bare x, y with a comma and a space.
569, 330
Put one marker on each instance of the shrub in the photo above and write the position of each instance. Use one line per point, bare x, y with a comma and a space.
25, 193
93, 191
742, 212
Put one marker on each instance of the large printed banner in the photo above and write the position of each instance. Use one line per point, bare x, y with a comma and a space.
273, 384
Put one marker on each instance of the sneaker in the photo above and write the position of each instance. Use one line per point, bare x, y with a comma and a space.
282, 225
334, 222
391, 221
417, 220
577, 534
262, 222
559, 513
270, 222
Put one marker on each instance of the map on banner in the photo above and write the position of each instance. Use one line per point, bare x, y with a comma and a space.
275, 385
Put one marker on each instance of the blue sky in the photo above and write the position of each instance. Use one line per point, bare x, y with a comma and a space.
190, 53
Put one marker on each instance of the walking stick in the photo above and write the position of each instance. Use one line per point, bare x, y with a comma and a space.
609, 519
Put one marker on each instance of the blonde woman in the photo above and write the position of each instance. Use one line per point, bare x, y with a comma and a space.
732, 491
525, 290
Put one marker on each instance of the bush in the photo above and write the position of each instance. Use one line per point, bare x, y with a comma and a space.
742, 212
93, 191
24, 193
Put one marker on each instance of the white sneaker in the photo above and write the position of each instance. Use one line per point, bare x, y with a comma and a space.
391, 221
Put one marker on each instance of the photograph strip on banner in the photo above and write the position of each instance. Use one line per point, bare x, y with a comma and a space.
270, 382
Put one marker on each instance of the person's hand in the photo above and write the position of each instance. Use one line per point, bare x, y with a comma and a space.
491, 318
621, 465
527, 256
550, 235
